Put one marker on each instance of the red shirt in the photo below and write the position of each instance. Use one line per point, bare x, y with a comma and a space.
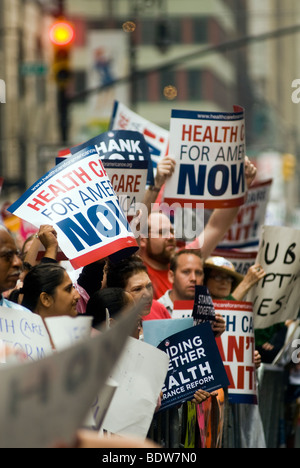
160, 281
158, 312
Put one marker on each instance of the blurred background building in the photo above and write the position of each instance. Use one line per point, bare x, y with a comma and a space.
207, 51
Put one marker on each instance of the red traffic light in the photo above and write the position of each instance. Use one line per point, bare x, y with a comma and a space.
61, 33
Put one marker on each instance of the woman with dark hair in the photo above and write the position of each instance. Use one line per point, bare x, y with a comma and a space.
48, 291
113, 300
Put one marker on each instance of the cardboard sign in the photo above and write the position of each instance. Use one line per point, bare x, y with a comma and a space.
156, 137
276, 297
210, 152
140, 380
77, 199
237, 346
120, 145
26, 332
44, 403
245, 230
195, 363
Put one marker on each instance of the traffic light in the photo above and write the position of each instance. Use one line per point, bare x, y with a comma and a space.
289, 164
62, 37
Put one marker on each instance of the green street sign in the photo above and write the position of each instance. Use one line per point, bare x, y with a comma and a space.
33, 68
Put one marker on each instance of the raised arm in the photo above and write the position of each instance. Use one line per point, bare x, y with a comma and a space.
221, 219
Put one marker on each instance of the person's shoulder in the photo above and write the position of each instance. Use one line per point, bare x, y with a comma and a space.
160, 309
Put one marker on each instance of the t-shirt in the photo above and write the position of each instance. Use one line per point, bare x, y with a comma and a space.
160, 281
158, 312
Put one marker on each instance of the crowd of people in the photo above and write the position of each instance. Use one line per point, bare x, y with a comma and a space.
160, 274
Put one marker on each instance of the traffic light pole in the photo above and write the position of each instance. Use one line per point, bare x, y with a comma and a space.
63, 112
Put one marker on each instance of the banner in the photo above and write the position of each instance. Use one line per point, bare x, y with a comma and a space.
25, 332
120, 145
157, 138
209, 149
245, 230
276, 297
77, 199
237, 346
44, 403
195, 363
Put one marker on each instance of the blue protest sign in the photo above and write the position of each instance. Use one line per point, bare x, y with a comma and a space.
77, 199
195, 363
120, 145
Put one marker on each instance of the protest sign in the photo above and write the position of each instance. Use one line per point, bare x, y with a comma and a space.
155, 331
195, 363
140, 382
245, 230
237, 346
24, 331
100, 405
66, 331
183, 309
156, 137
78, 200
209, 149
53, 395
242, 260
120, 145
203, 310
276, 297
128, 179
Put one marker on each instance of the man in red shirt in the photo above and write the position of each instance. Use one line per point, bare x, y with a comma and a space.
158, 247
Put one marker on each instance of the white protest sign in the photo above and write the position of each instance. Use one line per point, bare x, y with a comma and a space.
128, 179
140, 373
101, 404
24, 331
209, 149
157, 137
77, 198
245, 230
66, 331
276, 297
236, 347
183, 309
44, 403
